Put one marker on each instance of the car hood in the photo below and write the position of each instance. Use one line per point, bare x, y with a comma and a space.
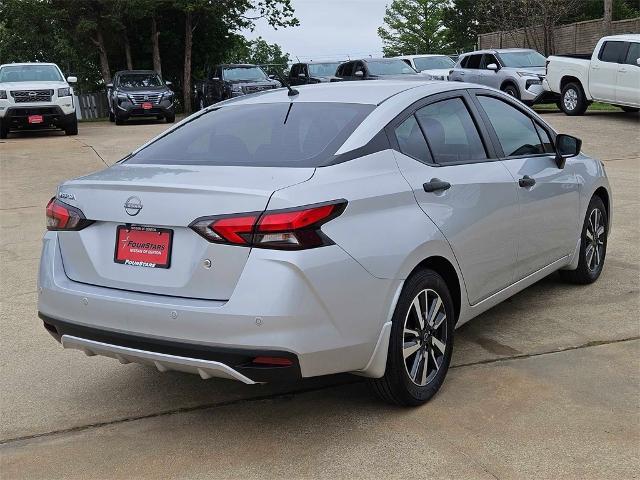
534, 71
417, 77
252, 82
144, 89
440, 72
32, 85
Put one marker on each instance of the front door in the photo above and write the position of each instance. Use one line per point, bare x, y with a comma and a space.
471, 197
628, 82
547, 221
603, 71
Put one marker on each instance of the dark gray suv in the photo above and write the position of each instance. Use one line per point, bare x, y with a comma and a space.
140, 93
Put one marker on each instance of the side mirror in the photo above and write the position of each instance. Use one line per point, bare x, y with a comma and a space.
271, 76
72, 79
567, 146
302, 75
215, 79
109, 85
638, 61
359, 73
168, 84
492, 66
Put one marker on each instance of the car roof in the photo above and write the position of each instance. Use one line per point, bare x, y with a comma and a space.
421, 56
142, 72
235, 65
372, 92
624, 36
498, 50
310, 62
22, 64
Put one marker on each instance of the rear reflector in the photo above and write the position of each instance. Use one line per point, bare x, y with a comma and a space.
61, 216
273, 361
289, 229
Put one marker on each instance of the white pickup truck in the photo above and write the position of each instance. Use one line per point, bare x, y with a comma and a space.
610, 75
36, 95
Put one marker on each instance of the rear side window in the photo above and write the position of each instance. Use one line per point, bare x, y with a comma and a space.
411, 140
633, 54
516, 131
258, 135
473, 61
613, 52
451, 133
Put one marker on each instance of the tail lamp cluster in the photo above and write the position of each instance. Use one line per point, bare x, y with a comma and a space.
61, 216
290, 229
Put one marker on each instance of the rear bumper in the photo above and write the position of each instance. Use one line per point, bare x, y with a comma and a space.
295, 305
536, 94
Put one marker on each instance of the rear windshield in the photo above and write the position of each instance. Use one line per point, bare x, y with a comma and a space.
260, 135
30, 73
323, 69
139, 80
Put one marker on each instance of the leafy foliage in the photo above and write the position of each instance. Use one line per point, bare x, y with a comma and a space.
414, 26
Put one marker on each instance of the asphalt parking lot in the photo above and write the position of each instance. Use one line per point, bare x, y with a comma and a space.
545, 385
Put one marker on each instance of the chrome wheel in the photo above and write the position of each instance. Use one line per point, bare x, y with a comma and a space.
570, 99
424, 337
594, 239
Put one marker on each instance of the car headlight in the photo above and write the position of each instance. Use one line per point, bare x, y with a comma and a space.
527, 74
122, 96
3, 94
236, 88
533, 82
64, 92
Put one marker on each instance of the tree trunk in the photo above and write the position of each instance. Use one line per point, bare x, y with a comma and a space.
104, 59
606, 20
155, 41
186, 81
127, 51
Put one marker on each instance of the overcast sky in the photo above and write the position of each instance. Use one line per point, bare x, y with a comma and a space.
329, 29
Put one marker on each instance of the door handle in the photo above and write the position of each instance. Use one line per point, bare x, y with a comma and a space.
527, 181
436, 185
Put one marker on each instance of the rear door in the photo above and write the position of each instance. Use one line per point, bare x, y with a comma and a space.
461, 187
628, 80
603, 70
547, 222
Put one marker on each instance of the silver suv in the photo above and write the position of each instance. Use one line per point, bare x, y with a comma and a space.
516, 71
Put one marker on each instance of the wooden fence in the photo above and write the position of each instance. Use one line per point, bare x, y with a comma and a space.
93, 105
580, 37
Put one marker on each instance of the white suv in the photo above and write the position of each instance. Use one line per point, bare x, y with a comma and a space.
36, 95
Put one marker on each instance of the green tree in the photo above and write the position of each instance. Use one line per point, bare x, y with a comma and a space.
462, 19
259, 52
414, 26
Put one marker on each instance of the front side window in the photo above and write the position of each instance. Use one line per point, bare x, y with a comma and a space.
30, 73
613, 52
523, 59
516, 131
488, 59
633, 54
411, 140
433, 63
258, 135
389, 67
139, 80
451, 133
247, 74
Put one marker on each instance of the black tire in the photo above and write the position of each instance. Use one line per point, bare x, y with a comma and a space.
630, 109
72, 127
572, 99
4, 130
591, 251
512, 90
398, 386
119, 120
112, 117
170, 117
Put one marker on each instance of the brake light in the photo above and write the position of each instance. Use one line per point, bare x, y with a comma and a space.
61, 216
290, 229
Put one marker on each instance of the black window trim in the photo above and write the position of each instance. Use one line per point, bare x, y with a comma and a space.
524, 110
478, 121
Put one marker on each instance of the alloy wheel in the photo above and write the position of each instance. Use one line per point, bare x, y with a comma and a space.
570, 99
424, 337
594, 239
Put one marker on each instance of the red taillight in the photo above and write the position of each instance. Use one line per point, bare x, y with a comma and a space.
272, 361
61, 216
290, 229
